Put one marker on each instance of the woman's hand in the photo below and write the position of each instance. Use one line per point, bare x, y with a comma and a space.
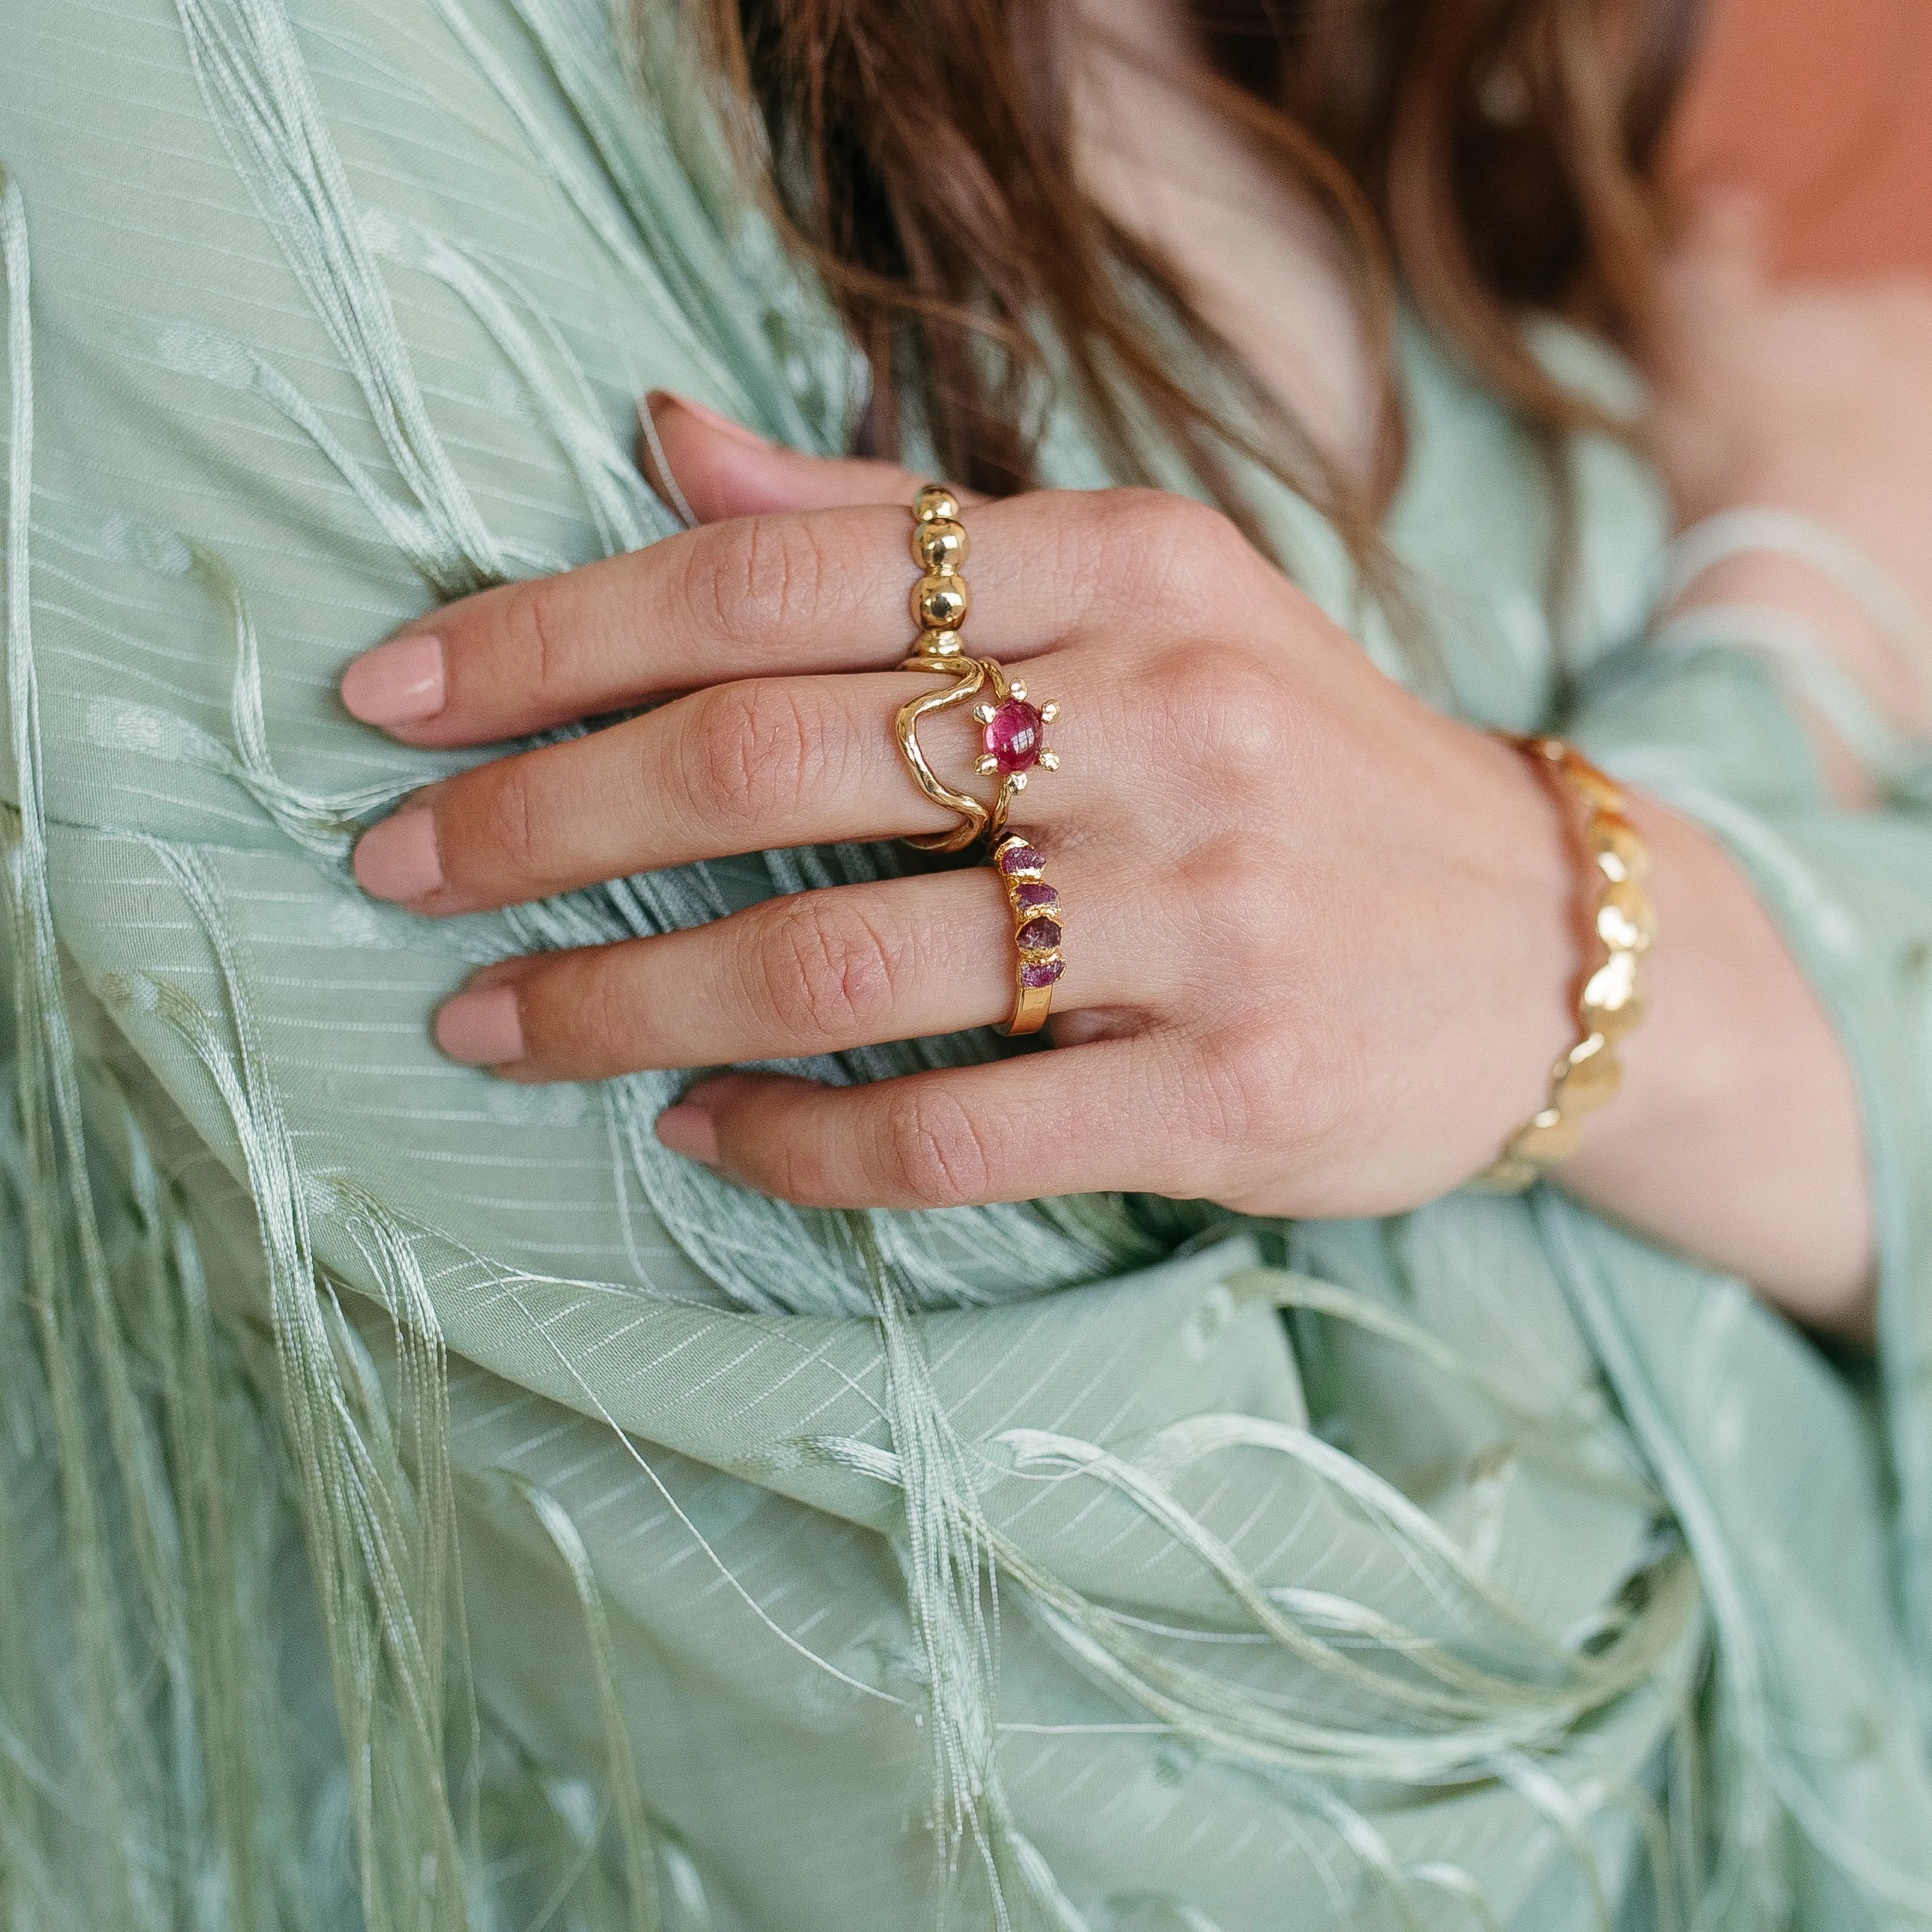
1320, 940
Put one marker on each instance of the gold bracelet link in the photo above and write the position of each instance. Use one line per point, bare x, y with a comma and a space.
1611, 1001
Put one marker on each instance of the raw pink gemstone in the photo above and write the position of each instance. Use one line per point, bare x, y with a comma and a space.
1042, 973
1020, 859
1012, 735
1034, 894
1037, 934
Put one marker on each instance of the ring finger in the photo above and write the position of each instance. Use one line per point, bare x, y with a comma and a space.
813, 973
757, 766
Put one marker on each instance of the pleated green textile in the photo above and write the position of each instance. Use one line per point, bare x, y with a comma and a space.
425, 1504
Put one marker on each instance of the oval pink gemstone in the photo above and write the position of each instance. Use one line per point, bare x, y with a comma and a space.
1042, 972
1037, 934
1012, 735
1033, 895
1020, 859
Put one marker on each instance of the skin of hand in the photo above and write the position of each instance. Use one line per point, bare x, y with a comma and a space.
1322, 942
1815, 396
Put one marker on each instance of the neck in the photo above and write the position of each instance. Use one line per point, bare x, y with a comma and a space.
1260, 263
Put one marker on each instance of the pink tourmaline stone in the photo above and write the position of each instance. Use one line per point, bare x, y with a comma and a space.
1037, 934
1042, 973
1020, 859
1033, 895
1012, 735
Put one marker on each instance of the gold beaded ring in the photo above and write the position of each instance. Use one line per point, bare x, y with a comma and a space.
1036, 935
1611, 1002
1011, 727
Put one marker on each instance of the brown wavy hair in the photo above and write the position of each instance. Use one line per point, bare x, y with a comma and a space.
1487, 158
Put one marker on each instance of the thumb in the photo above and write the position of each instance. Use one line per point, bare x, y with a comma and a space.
720, 468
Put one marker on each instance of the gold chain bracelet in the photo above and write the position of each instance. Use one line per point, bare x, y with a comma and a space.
1611, 1001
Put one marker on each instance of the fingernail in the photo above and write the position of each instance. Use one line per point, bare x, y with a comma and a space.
691, 1132
397, 860
482, 1027
400, 682
723, 425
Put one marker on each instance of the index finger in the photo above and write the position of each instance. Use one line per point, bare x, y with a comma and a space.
820, 590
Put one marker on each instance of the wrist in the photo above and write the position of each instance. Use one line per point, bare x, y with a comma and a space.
1735, 1136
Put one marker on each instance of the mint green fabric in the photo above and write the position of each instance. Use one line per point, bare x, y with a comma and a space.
424, 1503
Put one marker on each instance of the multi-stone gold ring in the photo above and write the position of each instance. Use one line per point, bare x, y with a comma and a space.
1013, 737
1035, 906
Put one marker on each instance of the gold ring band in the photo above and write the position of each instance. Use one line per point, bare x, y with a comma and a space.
1012, 730
1035, 906
968, 675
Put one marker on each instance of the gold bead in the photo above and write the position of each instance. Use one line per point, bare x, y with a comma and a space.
1586, 1077
940, 545
1508, 1176
1625, 922
1602, 794
1621, 854
935, 502
1548, 1139
1613, 1001
940, 603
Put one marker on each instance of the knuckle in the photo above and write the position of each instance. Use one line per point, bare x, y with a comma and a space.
1226, 706
1236, 1111
1138, 548
532, 626
1205, 1105
758, 578
824, 979
578, 1012
598, 1023
502, 830
1222, 885
932, 1150
1129, 513
1192, 550
756, 751
797, 1171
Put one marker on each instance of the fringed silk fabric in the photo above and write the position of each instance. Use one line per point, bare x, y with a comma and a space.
426, 1505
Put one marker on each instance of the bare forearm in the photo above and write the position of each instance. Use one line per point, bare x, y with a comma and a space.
1736, 1135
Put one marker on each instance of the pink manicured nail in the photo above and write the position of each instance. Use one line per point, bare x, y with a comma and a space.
397, 860
723, 425
691, 1132
400, 682
481, 1026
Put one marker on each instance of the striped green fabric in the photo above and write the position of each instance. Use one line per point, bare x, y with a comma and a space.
425, 1504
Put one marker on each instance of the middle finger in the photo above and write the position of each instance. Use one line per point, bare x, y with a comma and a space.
756, 766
